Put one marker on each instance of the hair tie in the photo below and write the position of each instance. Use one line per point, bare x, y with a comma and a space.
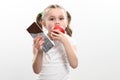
41, 13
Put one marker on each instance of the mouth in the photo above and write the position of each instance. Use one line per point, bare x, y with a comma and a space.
60, 28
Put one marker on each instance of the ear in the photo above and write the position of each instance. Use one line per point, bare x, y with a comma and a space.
43, 23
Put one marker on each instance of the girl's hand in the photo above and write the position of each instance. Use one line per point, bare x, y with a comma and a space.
38, 42
57, 35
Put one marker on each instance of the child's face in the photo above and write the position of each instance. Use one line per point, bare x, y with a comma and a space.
55, 17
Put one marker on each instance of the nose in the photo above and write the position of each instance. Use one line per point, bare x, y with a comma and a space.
57, 21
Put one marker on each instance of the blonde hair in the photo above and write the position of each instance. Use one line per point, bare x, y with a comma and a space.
41, 15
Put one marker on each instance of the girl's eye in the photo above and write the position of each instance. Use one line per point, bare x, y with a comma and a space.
61, 18
51, 19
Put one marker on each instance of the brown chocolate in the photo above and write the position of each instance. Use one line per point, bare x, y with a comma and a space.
34, 28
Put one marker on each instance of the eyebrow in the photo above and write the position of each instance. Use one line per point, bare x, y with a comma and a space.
59, 16
51, 16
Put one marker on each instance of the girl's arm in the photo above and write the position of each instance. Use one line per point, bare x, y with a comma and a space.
37, 61
71, 53
70, 50
37, 54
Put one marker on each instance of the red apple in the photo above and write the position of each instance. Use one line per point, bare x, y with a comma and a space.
58, 27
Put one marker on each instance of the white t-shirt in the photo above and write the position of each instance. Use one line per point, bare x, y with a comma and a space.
55, 63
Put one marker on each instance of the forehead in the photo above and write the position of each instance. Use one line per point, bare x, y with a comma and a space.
56, 12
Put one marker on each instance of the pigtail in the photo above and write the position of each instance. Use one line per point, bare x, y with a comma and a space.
68, 29
39, 19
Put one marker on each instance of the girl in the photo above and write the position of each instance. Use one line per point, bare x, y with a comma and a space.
54, 65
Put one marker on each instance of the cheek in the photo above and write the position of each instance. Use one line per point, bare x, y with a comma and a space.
65, 23
49, 27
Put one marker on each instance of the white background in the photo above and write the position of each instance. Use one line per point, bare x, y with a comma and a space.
96, 28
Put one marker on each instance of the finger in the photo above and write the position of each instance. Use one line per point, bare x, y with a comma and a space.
41, 42
55, 38
57, 31
36, 38
54, 34
36, 43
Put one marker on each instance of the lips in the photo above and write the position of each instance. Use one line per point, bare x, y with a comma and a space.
58, 27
